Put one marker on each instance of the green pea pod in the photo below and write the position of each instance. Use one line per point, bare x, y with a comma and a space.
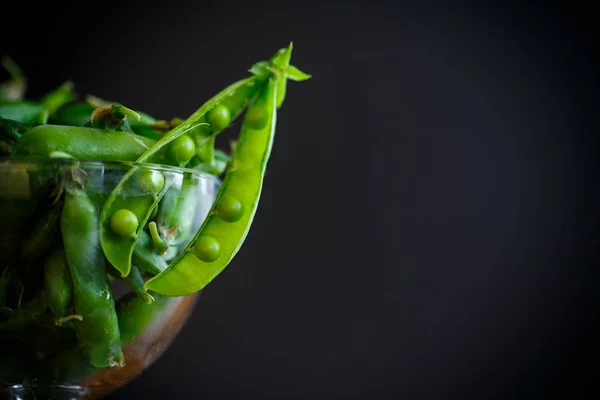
43, 234
117, 250
175, 216
144, 130
134, 280
37, 112
82, 143
75, 114
24, 111
205, 146
217, 167
229, 220
58, 284
62, 95
135, 315
80, 114
218, 239
145, 257
98, 332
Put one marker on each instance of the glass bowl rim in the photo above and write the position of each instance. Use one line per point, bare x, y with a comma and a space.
123, 165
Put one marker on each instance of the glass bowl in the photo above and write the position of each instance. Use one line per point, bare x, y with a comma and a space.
41, 355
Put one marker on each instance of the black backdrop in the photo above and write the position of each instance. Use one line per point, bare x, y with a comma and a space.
429, 223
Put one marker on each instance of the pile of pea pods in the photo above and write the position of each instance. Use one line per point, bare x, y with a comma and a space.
58, 269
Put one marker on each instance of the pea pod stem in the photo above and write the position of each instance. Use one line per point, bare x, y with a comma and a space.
146, 257
67, 318
157, 241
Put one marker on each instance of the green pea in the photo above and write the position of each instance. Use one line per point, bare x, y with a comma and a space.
219, 118
150, 181
256, 118
183, 149
230, 208
124, 222
207, 248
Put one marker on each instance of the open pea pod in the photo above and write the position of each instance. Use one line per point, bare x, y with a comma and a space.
118, 249
223, 232
228, 221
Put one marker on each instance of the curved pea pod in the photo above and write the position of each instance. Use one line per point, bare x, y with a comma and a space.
82, 143
98, 332
57, 98
58, 284
224, 230
117, 250
145, 257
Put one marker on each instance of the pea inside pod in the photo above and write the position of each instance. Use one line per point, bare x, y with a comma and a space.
119, 249
220, 237
224, 230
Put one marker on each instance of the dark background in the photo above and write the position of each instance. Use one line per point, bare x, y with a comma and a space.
429, 224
